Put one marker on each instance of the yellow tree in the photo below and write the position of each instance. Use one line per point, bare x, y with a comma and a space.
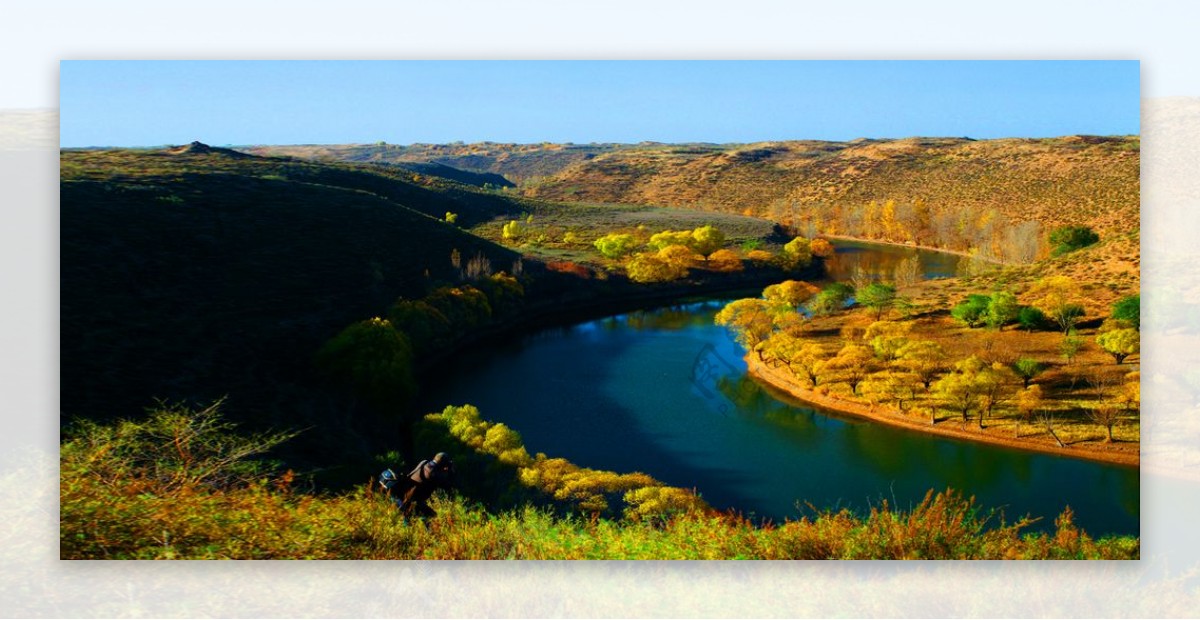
750, 320
1059, 298
680, 256
889, 385
923, 358
852, 364
707, 239
1029, 402
887, 338
725, 261
790, 292
1120, 343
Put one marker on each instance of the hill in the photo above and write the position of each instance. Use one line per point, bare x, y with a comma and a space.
990, 196
194, 273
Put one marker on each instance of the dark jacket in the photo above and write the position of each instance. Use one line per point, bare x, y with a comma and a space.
426, 478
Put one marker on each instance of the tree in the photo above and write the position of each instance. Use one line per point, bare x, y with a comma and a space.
644, 268
796, 254
707, 239
790, 292
1070, 346
725, 261
925, 359
831, 299
512, 230
1059, 297
680, 256
1120, 343
750, 320
878, 297
616, 245
1030, 318
1027, 368
957, 392
995, 386
666, 238
887, 338
1029, 402
852, 364
821, 248
451, 218
889, 385
803, 358
374, 361
1071, 238
1002, 309
1129, 309
973, 311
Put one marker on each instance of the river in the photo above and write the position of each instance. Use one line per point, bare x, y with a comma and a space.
665, 392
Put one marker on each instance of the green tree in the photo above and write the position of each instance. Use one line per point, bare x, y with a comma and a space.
1002, 309
878, 297
973, 312
1071, 238
831, 299
374, 361
925, 359
1129, 309
1030, 318
1027, 368
1120, 343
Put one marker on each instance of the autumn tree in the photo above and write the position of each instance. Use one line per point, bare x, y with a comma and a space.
805, 359
750, 320
707, 239
725, 261
1029, 402
616, 245
790, 292
680, 256
645, 268
796, 254
852, 364
512, 231
666, 238
821, 248
887, 338
1002, 309
1059, 297
925, 359
1120, 343
973, 311
889, 385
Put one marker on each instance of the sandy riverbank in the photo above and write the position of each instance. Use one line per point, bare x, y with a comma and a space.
1121, 453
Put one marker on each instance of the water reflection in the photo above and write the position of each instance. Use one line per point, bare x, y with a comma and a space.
666, 392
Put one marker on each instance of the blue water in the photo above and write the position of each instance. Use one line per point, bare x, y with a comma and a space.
665, 392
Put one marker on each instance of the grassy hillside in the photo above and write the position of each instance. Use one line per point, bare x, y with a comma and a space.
196, 273
954, 193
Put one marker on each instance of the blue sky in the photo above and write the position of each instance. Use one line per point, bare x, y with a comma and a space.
148, 103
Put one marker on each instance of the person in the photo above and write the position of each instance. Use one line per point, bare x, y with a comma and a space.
427, 477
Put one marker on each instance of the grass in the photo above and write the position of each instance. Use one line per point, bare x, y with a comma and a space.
182, 484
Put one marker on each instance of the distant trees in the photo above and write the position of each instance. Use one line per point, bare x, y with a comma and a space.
1071, 238
512, 230
645, 268
451, 218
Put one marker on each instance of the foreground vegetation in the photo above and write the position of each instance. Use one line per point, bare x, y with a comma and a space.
184, 484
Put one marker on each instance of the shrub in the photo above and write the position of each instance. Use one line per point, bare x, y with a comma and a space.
725, 261
973, 311
1071, 238
374, 361
1030, 318
1129, 309
645, 268
616, 245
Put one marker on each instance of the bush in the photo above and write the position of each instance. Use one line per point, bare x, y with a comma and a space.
973, 311
616, 245
374, 361
645, 268
1031, 319
725, 261
1071, 238
1129, 309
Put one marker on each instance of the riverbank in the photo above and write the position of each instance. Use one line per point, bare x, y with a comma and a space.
1120, 454
929, 248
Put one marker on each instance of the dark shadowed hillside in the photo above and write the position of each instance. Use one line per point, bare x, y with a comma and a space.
196, 273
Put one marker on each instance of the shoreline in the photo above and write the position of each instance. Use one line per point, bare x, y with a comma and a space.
787, 383
897, 244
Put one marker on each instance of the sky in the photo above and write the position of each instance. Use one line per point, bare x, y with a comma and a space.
152, 103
